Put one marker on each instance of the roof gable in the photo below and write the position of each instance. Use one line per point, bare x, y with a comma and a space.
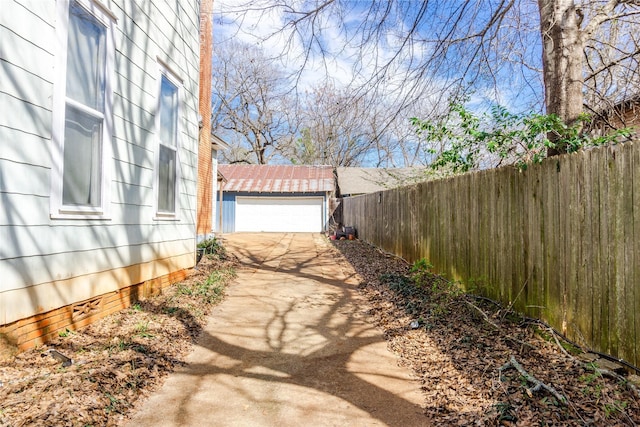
277, 178
354, 180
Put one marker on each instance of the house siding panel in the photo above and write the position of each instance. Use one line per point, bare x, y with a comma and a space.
25, 54
13, 11
37, 269
42, 252
23, 178
21, 147
23, 116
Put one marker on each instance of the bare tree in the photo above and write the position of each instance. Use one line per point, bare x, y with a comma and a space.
578, 53
251, 103
583, 42
339, 129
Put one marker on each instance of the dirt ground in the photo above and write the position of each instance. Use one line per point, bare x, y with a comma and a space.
462, 345
292, 345
116, 361
458, 347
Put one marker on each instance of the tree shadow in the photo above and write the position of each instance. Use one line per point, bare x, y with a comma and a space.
49, 263
316, 341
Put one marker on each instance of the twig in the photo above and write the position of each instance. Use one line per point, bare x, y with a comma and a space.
595, 369
510, 306
555, 337
618, 377
483, 314
507, 337
537, 384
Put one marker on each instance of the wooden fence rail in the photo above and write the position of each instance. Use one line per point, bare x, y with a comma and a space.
560, 241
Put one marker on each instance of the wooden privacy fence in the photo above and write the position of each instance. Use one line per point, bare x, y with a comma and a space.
560, 241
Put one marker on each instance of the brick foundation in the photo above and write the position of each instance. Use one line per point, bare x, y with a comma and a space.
37, 330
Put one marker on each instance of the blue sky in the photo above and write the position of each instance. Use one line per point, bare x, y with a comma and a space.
339, 51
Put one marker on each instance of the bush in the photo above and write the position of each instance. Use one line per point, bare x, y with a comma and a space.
213, 248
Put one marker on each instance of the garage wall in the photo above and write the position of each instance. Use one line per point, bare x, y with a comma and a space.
229, 206
228, 212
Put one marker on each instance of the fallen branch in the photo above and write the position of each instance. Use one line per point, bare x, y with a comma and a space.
555, 337
495, 326
537, 384
615, 376
486, 318
600, 371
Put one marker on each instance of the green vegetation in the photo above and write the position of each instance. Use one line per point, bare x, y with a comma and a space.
470, 141
142, 329
424, 291
213, 248
212, 289
67, 332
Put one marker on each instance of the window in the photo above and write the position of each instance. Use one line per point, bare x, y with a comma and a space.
82, 110
167, 175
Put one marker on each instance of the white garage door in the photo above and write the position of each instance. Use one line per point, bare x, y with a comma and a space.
277, 214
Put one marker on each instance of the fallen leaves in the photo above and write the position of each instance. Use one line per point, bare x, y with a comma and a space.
461, 344
456, 352
116, 361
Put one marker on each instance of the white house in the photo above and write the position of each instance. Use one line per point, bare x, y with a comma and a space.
98, 157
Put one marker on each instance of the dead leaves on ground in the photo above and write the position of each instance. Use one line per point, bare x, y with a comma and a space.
461, 343
116, 360
456, 352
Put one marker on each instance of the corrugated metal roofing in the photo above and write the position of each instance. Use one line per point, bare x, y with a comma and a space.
277, 178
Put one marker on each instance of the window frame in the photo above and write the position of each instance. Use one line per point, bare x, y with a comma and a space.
165, 71
58, 210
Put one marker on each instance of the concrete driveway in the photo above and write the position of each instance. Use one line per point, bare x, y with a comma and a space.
290, 346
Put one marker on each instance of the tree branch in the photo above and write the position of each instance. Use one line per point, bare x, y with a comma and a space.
537, 384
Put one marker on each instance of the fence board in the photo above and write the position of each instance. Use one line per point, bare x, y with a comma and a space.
596, 243
613, 192
560, 239
626, 217
532, 239
570, 218
584, 285
635, 177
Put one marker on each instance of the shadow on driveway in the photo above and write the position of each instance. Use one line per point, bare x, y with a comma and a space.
290, 346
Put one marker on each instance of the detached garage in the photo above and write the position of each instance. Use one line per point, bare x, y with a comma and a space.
276, 198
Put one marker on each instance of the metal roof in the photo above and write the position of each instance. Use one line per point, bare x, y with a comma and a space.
277, 178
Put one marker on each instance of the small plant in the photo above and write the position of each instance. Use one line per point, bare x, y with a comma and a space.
212, 247
421, 265
136, 307
171, 310
591, 377
612, 408
66, 333
183, 289
505, 411
142, 329
212, 288
117, 344
113, 405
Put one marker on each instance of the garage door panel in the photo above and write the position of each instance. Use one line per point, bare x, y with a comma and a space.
278, 214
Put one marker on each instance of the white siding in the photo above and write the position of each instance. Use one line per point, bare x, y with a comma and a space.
36, 250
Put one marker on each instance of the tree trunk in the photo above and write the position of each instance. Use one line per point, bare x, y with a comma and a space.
562, 61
